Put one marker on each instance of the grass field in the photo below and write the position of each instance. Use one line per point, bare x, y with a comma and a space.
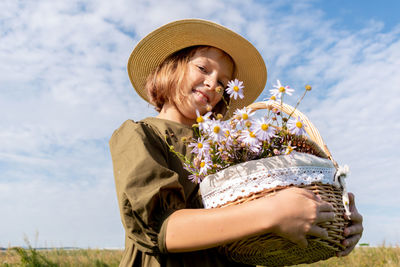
361, 256
60, 257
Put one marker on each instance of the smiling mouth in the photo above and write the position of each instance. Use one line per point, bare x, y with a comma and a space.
203, 94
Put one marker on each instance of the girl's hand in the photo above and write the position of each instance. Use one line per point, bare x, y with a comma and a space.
298, 213
354, 230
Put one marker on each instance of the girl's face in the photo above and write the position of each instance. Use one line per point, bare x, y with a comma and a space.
208, 69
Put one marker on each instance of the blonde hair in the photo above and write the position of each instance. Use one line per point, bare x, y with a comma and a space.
167, 82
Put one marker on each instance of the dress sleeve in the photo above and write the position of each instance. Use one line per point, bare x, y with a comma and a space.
148, 190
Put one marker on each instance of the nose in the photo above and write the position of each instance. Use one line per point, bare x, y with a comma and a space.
211, 82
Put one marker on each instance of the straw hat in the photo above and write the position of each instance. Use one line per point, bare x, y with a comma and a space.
153, 49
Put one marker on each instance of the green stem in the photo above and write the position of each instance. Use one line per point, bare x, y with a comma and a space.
181, 156
298, 103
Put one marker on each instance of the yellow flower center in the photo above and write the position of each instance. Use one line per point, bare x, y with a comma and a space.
248, 124
217, 129
282, 89
236, 88
245, 116
252, 135
299, 124
273, 97
308, 87
200, 145
289, 149
200, 119
264, 127
202, 164
227, 133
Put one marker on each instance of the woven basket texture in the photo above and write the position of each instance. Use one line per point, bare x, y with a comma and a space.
273, 250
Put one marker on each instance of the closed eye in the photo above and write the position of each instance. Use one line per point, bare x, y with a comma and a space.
201, 68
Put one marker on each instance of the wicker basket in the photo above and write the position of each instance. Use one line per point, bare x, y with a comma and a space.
273, 250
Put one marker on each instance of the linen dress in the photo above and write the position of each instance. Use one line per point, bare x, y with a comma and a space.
151, 184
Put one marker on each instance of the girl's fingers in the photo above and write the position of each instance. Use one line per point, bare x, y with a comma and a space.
318, 232
351, 201
345, 252
353, 230
325, 217
355, 217
325, 206
310, 194
325, 212
350, 243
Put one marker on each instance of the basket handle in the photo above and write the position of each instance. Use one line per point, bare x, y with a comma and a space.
311, 130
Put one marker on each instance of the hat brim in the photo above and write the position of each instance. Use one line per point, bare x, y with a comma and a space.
153, 49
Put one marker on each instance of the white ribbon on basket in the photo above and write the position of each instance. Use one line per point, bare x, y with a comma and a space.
340, 176
247, 178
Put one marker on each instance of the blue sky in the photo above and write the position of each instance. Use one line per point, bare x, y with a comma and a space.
64, 90
355, 15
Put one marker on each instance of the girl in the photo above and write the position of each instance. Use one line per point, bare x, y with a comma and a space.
180, 68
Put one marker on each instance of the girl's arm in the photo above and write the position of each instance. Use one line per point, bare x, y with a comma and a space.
292, 213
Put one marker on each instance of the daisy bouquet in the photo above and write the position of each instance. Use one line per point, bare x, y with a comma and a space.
223, 143
250, 156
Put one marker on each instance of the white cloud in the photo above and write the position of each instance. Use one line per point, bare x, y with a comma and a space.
64, 89
73, 213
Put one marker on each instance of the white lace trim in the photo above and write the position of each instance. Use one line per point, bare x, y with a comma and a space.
242, 186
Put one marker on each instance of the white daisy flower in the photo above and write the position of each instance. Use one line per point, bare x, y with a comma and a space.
263, 130
229, 133
205, 165
251, 141
273, 98
216, 130
235, 89
280, 90
289, 149
296, 126
201, 147
195, 178
202, 119
243, 115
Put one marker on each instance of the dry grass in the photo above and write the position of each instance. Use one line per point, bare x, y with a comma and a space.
364, 256
61, 257
361, 256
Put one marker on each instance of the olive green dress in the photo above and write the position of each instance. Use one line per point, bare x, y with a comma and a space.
151, 184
